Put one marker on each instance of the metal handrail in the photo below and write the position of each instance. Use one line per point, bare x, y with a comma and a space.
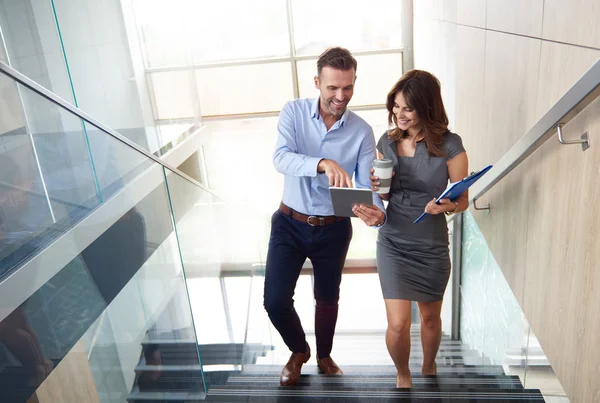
577, 98
55, 99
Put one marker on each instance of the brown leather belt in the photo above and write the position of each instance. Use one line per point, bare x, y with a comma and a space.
312, 220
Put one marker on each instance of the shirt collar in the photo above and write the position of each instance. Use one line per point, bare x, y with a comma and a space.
315, 112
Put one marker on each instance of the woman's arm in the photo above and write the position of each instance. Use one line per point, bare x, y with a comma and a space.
458, 169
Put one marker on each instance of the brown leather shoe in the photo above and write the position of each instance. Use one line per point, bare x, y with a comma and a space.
328, 366
291, 372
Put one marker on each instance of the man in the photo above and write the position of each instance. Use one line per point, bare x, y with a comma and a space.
320, 144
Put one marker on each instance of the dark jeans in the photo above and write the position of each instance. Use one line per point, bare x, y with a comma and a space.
290, 244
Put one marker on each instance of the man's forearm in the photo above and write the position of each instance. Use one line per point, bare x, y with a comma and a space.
290, 163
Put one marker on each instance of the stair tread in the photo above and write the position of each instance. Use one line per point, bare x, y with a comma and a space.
162, 396
380, 369
337, 394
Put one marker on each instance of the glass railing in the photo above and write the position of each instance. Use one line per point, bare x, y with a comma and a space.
492, 321
97, 242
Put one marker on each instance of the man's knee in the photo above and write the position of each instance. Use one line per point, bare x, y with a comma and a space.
275, 303
327, 303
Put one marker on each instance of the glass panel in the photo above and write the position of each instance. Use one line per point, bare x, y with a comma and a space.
374, 27
375, 76
33, 44
64, 157
492, 321
123, 297
115, 163
47, 178
214, 278
170, 32
240, 89
174, 94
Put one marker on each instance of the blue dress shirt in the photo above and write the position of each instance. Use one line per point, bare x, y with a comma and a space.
303, 140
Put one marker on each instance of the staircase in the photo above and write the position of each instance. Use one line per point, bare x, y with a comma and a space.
463, 375
169, 369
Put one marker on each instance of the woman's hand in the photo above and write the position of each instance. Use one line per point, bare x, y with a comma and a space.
371, 215
445, 206
375, 180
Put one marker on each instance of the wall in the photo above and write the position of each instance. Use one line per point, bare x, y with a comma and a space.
502, 65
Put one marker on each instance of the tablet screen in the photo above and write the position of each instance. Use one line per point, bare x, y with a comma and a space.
343, 199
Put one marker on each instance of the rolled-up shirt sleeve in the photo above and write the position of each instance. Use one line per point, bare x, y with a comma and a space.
366, 156
286, 158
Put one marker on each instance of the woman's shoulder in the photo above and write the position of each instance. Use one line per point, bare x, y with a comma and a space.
383, 140
385, 136
453, 144
452, 137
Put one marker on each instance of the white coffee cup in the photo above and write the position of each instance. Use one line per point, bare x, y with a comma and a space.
383, 170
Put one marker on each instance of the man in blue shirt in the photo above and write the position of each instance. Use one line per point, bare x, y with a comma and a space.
320, 144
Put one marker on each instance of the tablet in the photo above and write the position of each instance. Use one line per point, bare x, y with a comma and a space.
343, 199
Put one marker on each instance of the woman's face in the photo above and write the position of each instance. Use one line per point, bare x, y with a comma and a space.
406, 117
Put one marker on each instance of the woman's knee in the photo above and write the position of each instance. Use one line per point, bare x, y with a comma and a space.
431, 321
399, 326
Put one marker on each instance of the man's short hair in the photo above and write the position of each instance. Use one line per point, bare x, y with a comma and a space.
338, 58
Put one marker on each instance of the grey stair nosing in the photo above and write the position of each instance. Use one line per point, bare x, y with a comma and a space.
169, 341
137, 394
365, 379
391, 392
376, 369
191, 367
391, 383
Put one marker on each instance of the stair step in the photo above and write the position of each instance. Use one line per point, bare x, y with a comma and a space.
139, 396
302, 394
382, 381
171, 368
211, 354
379, 369
183, 381
358, 360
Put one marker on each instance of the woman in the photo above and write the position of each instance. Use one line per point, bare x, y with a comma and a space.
413, 259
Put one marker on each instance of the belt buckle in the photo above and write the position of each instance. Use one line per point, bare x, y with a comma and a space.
321, 221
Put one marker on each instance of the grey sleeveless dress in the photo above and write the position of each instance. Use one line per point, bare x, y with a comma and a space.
413, 260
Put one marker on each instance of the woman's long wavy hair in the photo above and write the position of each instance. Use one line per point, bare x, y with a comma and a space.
422, 93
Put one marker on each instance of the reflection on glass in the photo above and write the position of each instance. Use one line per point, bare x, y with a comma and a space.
33, 44
170, 32
115, 163
64, 157
492, 321
46, 176
357, 27
123, 297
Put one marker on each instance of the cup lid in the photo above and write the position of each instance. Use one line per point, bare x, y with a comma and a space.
383, 163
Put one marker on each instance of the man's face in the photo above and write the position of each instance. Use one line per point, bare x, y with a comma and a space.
336, 87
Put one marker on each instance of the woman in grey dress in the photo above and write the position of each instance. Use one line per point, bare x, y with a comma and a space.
413, 259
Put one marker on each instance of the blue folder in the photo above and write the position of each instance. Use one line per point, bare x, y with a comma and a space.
457, 188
